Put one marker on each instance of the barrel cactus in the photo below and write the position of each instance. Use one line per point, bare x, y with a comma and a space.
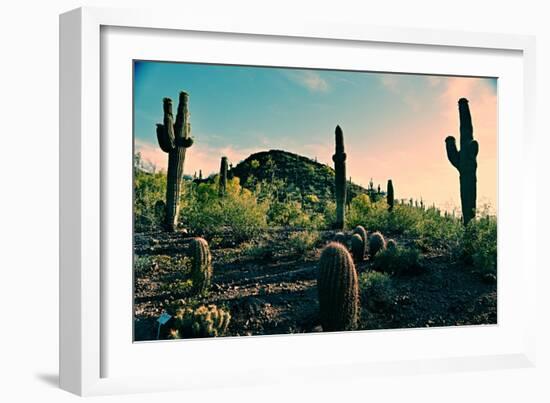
357, 248
465, 161
223, 177
339, 159
174, 139
391, 244
205, 321
201, 265
338, 289
389, 195
340, 237
376, 243
361, 231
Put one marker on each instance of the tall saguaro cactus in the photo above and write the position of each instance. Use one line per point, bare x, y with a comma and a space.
174, 138
223, 177
339, 159
389, 195
465, 160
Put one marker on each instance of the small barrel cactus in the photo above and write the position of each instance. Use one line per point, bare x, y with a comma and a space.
338, 289
357, 248
340, 237
391, 244
376, 243
201, 265
205, 321
362, 232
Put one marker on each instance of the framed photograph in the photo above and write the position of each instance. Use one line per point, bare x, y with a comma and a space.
245, 202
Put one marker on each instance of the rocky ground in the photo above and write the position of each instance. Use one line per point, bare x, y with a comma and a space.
273, 291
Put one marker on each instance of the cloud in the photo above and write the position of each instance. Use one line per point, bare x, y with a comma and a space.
391, 82
309, 79
200, 156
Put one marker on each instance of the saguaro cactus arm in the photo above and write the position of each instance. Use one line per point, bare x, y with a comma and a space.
182, 126
162, 137
452, 152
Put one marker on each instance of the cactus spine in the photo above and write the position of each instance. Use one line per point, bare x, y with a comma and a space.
339, 159
389, 196
338, 289
465, 160
223, 177
201, 265
174, 138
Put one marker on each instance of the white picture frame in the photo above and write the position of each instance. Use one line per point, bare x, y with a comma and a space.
89, 316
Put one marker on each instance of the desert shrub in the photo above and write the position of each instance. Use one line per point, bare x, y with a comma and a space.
291, 213
376, 290
257, 250
398, 260
303, 241
480, 244
205, 212
149, 188
177, 287
204, 321
432, 230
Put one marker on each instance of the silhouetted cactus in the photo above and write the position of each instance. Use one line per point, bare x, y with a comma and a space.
201, 265
205, 321
223, 177
465, 161
340, 237
174, 138
357, 248
376, 243
339, 159
338, 289
390, 196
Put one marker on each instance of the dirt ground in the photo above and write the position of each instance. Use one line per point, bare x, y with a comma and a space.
276, 293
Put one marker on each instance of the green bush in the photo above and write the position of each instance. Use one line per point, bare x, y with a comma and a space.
204, 212
376, 290
480, 244
304, 241
398, 260
149, 188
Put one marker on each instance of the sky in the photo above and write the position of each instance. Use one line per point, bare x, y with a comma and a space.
394, 124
